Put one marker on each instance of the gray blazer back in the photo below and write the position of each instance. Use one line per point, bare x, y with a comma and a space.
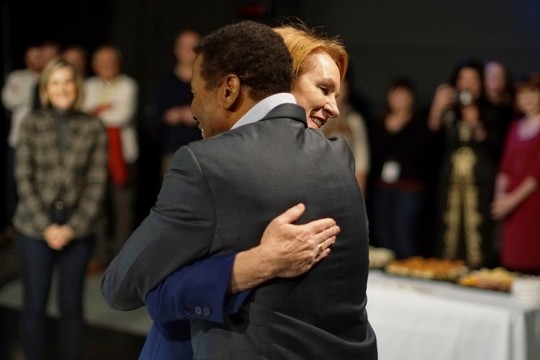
219, 196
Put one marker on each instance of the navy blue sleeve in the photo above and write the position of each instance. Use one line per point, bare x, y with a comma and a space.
168, 341
196, 291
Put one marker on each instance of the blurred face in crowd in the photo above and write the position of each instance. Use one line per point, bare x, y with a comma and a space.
184, 45
49, 51
106, 63
528, 100
400, 99
469, 79
76, 56
316, 89
62, 89
34, 59
494, 78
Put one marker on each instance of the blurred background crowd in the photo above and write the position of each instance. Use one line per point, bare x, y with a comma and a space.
428, 107
440, 107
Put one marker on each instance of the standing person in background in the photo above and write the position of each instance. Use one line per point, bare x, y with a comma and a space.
17, 97
174, 121
112, 96
50, 49
500, 94
401, 148
470, 133
499, 86
352, 127
76, 55
517, 193
61, 171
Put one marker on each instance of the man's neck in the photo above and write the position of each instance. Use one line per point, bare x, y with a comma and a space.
258, 109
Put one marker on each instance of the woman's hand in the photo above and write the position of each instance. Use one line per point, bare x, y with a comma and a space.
285, 250
58, 236
444, 98
502, 206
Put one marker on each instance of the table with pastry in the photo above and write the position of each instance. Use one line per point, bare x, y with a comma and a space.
429, 308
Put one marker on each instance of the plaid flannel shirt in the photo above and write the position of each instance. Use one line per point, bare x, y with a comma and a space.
43, 172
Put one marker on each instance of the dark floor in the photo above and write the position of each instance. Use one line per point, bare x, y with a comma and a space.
100, 342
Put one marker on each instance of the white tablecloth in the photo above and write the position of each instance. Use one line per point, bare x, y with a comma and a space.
417, 320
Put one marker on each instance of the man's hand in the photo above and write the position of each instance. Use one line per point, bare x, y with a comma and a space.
286, 250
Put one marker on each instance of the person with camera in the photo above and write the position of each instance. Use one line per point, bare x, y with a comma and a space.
470, 137
61, 175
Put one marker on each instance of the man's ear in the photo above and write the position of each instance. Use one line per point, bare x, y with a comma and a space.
230, 91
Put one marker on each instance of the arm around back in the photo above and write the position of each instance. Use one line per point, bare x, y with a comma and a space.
196, 291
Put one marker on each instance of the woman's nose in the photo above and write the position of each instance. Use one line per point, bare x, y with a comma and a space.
331, 108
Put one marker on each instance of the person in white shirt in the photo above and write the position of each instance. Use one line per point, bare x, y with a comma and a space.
112, 96
17, 97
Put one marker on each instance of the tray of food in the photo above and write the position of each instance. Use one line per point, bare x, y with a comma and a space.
379, 257
428, 268
498, 279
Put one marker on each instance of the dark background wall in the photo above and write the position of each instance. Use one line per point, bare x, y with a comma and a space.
421, 39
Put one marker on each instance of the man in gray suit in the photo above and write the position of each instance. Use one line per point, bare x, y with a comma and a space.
258, 159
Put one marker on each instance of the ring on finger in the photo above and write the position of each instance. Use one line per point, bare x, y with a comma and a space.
320, 249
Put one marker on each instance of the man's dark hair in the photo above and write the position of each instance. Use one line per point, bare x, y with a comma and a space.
251, 51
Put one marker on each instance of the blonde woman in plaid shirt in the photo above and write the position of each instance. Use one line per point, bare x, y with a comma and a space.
61, 172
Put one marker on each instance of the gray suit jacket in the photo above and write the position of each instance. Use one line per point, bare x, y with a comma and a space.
219, 195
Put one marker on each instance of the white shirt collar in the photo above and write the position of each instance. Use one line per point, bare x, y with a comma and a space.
263, 107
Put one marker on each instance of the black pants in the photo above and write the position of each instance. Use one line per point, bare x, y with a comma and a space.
38, 261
